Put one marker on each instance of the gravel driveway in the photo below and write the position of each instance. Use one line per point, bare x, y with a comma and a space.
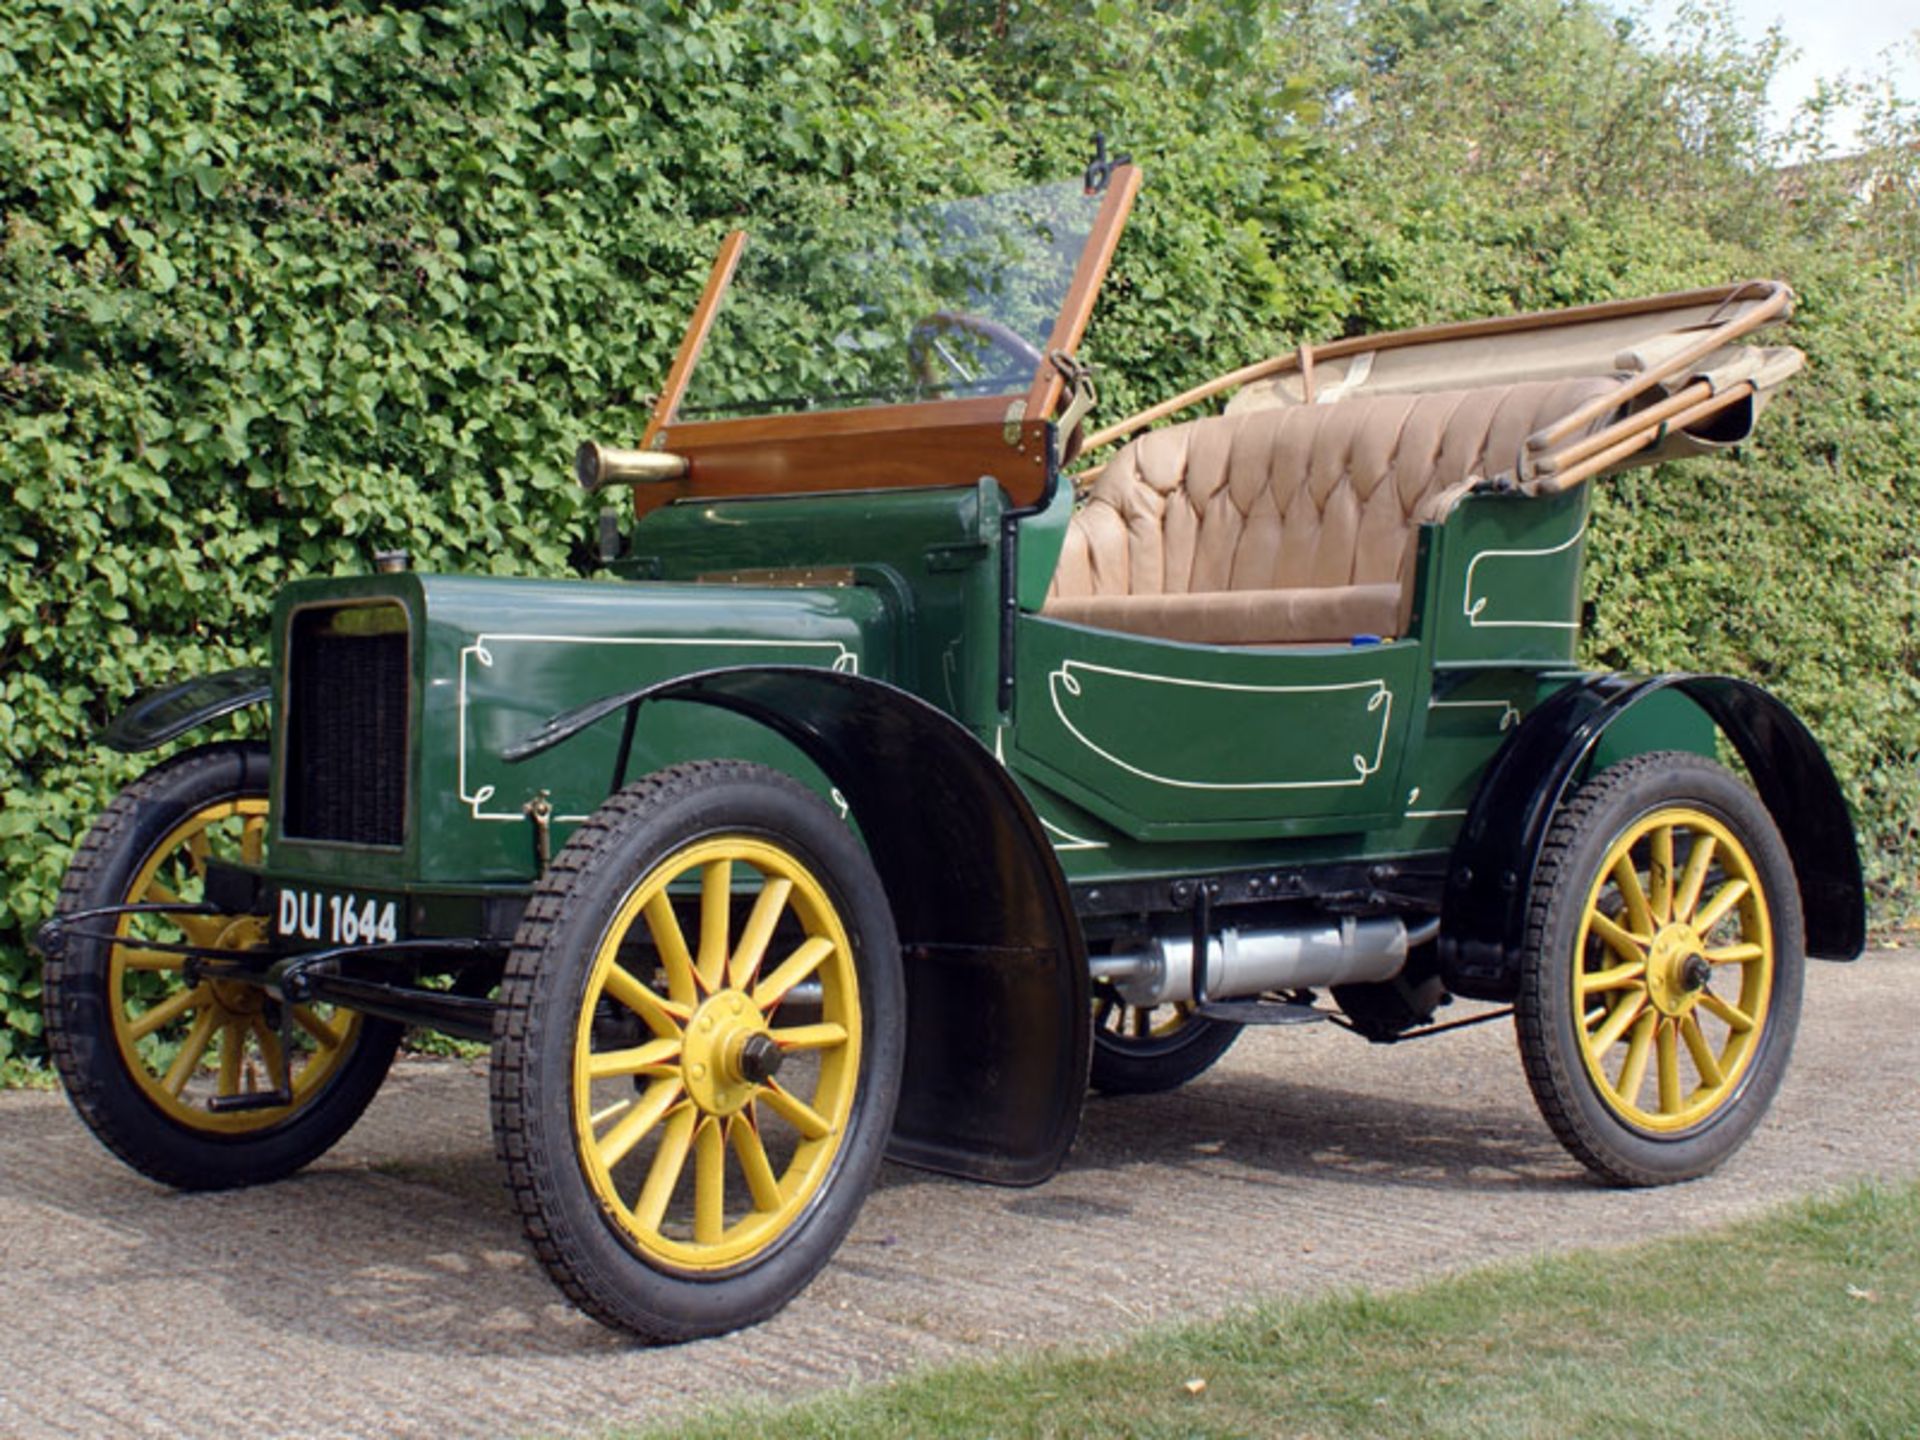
386, 1291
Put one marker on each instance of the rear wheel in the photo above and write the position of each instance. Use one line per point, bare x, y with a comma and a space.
1660, 986
141, 1050
698, 1050
1145, 1049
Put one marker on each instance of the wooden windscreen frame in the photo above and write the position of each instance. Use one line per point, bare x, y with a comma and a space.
695, 340
1070, 326
936, 442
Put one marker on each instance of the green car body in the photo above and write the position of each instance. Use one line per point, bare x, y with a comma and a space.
1051, 809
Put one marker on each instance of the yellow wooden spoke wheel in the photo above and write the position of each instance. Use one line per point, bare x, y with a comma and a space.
143, 1050
699, 1050
711, 1135
1662, 984
184, 1044
1145, 1049
1675, 970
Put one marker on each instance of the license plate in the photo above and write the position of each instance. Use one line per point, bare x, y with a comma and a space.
335, 917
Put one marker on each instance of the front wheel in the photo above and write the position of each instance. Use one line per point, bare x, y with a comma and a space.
1660, 984
698, 1050
142, 1050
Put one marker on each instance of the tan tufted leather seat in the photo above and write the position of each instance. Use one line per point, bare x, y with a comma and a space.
1288, 525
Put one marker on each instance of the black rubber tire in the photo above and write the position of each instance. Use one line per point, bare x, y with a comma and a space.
1615, 1150
579, 1244
79, 1023
1125, 1064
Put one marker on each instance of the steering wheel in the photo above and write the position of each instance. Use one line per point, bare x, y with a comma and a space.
929, 349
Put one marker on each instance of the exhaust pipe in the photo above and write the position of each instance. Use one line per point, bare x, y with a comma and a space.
1243, 963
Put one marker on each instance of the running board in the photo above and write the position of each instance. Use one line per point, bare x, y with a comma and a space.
1261, 1012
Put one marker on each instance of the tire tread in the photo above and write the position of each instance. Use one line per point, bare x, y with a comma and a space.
1552, 1084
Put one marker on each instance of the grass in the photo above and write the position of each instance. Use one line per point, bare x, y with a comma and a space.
1805, 1322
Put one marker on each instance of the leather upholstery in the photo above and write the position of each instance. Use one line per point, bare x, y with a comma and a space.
1291, 524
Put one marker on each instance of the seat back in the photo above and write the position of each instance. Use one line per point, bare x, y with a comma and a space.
1297, 497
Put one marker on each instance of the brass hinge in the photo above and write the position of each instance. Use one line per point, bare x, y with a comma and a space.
1010, 430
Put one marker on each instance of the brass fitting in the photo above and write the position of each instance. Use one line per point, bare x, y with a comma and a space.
597, 465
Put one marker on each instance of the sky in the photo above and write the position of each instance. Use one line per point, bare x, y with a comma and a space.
1832, 36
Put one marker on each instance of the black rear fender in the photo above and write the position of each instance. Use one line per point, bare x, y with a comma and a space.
1484, 911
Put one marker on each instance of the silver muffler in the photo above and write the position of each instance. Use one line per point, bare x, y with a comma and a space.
1158, 970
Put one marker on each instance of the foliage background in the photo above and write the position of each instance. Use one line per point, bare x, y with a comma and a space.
283, 283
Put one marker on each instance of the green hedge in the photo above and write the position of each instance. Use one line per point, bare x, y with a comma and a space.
284, 283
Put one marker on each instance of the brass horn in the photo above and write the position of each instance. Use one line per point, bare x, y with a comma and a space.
596, 465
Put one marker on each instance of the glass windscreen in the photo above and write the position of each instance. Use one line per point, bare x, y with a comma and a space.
953, 300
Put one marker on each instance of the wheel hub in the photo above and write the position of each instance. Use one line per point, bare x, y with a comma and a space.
728, 1053
1677, 970
243, 932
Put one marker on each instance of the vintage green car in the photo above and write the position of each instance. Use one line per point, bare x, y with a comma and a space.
895, 775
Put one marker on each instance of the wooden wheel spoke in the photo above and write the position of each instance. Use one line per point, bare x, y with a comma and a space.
1103, 1007
1618, 1019
670, 942
1616, 937
168, 1010
1736, 1018
199, 850
656, 1057
810, 955
716, 919
1735, 954
637, 1120
709, 1182
607, 1112
758, 934
323, 1031
1729, 895
1668, 1046
157, 894
201, 929
809, 1037
1699, 860
1616, 977
796, 1112
270, 1056
761, 1182
233, 1041
1660, 874
191, 1051
650, 1210
663, 1017
1633, 1070
1704, 1059
253, 840
1639, 913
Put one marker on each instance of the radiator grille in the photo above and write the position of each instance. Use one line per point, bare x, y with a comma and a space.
345, 777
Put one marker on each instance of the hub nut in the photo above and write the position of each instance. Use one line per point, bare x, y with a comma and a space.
760, 1059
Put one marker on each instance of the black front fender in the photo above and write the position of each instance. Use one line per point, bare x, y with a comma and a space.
1483, 916
998, 1001
157, 716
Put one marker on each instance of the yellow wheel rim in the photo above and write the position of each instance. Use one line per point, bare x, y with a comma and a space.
185, 1044
711, 1092
1140, 1024
1675, 970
